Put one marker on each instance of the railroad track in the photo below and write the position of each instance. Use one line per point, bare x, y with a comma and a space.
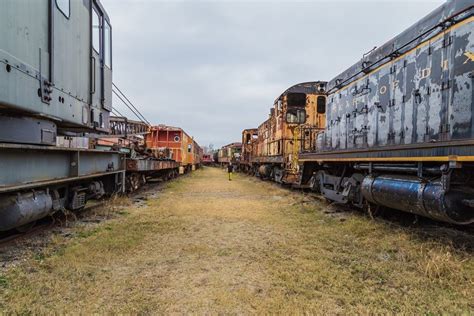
42, 225
418, 224
58, 218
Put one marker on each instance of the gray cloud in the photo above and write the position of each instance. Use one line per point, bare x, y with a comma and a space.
215, 67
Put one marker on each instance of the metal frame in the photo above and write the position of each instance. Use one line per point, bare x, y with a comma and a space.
30, 166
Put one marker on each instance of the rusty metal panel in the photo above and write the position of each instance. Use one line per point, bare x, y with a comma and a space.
249, 141
123, 127
230, 153
284, 134
146, 165
268, 159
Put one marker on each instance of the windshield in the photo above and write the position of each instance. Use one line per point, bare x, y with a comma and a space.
296, 100
296, 116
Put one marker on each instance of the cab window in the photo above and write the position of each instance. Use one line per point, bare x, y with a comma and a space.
95, 31
321, 105
296, 116
108, 44
296, 100
247, 138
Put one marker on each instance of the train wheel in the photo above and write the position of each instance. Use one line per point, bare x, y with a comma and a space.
314, 184
134, 181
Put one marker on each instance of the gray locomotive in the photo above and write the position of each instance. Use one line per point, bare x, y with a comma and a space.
400, 123
55, 79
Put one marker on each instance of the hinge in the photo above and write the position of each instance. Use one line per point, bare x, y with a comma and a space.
447, 41
45, 91
444, 128
445, 85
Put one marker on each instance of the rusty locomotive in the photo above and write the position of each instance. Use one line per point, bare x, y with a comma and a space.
60, 145
271, 150
398, 127
229, 153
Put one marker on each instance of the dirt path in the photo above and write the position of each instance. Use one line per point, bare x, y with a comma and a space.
208, 245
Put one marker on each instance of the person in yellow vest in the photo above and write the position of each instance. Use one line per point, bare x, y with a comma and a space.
230, 169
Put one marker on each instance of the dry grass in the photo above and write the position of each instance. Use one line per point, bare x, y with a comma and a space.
207, 245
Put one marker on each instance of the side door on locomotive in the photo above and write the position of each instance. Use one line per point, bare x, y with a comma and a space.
59, 53
101, 65
82, 50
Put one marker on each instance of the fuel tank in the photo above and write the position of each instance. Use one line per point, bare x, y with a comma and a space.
429, 199
21, 209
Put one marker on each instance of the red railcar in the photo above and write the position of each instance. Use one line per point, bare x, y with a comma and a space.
207, 159
174, 143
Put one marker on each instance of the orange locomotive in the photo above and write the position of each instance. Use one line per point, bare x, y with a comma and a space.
296, 118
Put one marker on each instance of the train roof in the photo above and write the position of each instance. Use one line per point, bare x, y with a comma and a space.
311, 87
250, 130
430, 25
166, 128
163, 127
232, 145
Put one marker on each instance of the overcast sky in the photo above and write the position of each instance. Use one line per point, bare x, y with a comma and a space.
215, 67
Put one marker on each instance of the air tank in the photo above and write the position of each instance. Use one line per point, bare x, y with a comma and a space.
414, 195
21, 209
